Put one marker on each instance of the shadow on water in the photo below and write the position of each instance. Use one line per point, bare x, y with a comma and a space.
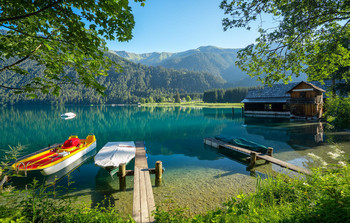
107, 187
104, 189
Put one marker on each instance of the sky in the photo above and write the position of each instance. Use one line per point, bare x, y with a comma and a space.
180, 25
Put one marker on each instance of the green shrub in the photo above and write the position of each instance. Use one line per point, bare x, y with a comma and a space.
38, 204
338, 111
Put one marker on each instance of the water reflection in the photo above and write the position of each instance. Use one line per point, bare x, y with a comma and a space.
37, 127
298, 134
56, 177
196, 176
167, 130
50, 180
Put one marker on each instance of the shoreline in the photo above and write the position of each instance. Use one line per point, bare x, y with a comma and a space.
195, 104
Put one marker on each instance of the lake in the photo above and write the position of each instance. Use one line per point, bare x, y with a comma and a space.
196, 177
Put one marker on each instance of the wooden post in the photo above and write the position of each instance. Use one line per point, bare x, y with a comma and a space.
242, 111
159, 173
269, 153
252, 160
233, 111
122, 176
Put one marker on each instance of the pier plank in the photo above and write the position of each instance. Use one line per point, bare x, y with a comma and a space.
143, 199
149, 191
143, 193
218, 144
136, 208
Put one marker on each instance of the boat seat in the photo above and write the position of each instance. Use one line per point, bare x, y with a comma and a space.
63, 154
90, 139
72, 142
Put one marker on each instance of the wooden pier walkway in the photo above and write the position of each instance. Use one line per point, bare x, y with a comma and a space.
220, 144
143, 200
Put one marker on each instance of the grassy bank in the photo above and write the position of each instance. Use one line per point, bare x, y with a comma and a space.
197, 104
322, 197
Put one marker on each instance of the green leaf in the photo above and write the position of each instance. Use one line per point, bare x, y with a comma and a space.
32, 96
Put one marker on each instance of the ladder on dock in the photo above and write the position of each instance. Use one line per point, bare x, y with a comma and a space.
220, 144
143, 200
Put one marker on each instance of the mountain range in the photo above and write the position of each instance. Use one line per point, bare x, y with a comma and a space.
144, 75
210, 59
134, 82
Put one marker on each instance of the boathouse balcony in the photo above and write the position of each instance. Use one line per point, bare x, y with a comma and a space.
316, 100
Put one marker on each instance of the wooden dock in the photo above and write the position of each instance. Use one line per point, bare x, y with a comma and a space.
143, 200
220, 144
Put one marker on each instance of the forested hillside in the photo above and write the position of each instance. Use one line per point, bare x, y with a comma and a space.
211, 59
215, 60
230, 95
135, 82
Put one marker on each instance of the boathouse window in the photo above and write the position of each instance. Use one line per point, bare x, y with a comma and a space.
268, 106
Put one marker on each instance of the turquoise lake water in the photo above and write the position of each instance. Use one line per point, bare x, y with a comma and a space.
196, 176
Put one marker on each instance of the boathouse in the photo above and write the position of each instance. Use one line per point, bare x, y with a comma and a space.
294, 100
268, 101
306, 101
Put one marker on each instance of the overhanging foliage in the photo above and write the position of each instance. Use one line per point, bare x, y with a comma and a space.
61, 34
311, 37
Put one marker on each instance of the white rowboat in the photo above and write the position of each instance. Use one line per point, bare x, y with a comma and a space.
115, 153
68, 115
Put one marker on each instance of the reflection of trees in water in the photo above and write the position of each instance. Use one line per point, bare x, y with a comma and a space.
192, 147
297, 134
219, 113
310, 140
180, 129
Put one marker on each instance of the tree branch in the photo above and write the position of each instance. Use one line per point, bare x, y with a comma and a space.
342, 28
37, 37
281, 47
301, 34
38, 88
11, 88
30, 14
21, 60
324, 21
